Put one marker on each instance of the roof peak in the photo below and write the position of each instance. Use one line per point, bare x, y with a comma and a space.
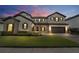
57, 13
24, 12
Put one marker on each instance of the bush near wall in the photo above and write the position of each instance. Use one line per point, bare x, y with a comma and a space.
20, 33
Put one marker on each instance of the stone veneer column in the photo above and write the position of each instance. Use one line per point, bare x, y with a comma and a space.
66, 29
49, 29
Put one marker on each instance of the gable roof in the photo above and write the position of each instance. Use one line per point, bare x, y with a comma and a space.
72, 17
10, 18
23, 17
57, 13
24, 13
39, 17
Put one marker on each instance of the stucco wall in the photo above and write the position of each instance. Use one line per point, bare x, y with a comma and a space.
11, 21
26, 15
22, 21
1, 27
55, 15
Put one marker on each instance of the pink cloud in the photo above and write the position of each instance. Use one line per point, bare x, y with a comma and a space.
37, 11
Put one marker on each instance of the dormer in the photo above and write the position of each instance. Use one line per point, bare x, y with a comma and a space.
56, 17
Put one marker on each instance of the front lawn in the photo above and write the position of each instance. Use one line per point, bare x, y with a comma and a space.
27, 41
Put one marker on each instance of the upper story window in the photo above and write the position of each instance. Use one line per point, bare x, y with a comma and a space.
56, 18
61, 19
25, 26
43, 19
35, 20
39, 20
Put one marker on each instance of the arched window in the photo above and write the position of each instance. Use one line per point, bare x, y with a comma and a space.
37, 28
25, 26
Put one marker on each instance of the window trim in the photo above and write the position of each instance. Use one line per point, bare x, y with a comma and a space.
26, 26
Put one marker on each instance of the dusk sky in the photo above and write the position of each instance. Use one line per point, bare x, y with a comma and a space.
39, 10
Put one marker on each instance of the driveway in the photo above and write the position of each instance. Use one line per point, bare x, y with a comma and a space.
70, 36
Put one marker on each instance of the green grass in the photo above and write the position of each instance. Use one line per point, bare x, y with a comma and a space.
35, 41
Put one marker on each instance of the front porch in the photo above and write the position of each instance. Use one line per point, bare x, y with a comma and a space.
55, 28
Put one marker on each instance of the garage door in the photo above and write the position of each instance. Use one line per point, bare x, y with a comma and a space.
58, 29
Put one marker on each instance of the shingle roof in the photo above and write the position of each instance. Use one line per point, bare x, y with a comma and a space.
72, 17
51, 24
9, 18
39, 17
57, 13
23, 17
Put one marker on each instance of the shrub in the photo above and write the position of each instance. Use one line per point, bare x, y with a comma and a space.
20, 33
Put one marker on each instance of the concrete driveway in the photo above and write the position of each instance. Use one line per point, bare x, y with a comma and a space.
70, 36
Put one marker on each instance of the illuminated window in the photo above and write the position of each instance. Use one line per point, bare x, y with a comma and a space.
56, 18
25, 26
39, 20
10, 27
61, 19
43, 19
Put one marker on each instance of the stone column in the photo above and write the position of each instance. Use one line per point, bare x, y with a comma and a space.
66, 29
49, 29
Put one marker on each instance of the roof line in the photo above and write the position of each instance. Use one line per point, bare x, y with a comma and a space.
55, 13
23, 17
10, 18
72, 17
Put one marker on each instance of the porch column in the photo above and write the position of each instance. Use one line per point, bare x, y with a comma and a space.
49, 29
66, 29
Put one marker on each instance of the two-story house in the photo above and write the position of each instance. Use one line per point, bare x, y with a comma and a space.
54, 23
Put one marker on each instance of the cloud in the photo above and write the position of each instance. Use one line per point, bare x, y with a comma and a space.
37, 11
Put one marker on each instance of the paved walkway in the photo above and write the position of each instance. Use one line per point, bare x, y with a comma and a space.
39, 50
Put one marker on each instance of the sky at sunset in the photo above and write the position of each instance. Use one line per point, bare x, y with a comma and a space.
39, 10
